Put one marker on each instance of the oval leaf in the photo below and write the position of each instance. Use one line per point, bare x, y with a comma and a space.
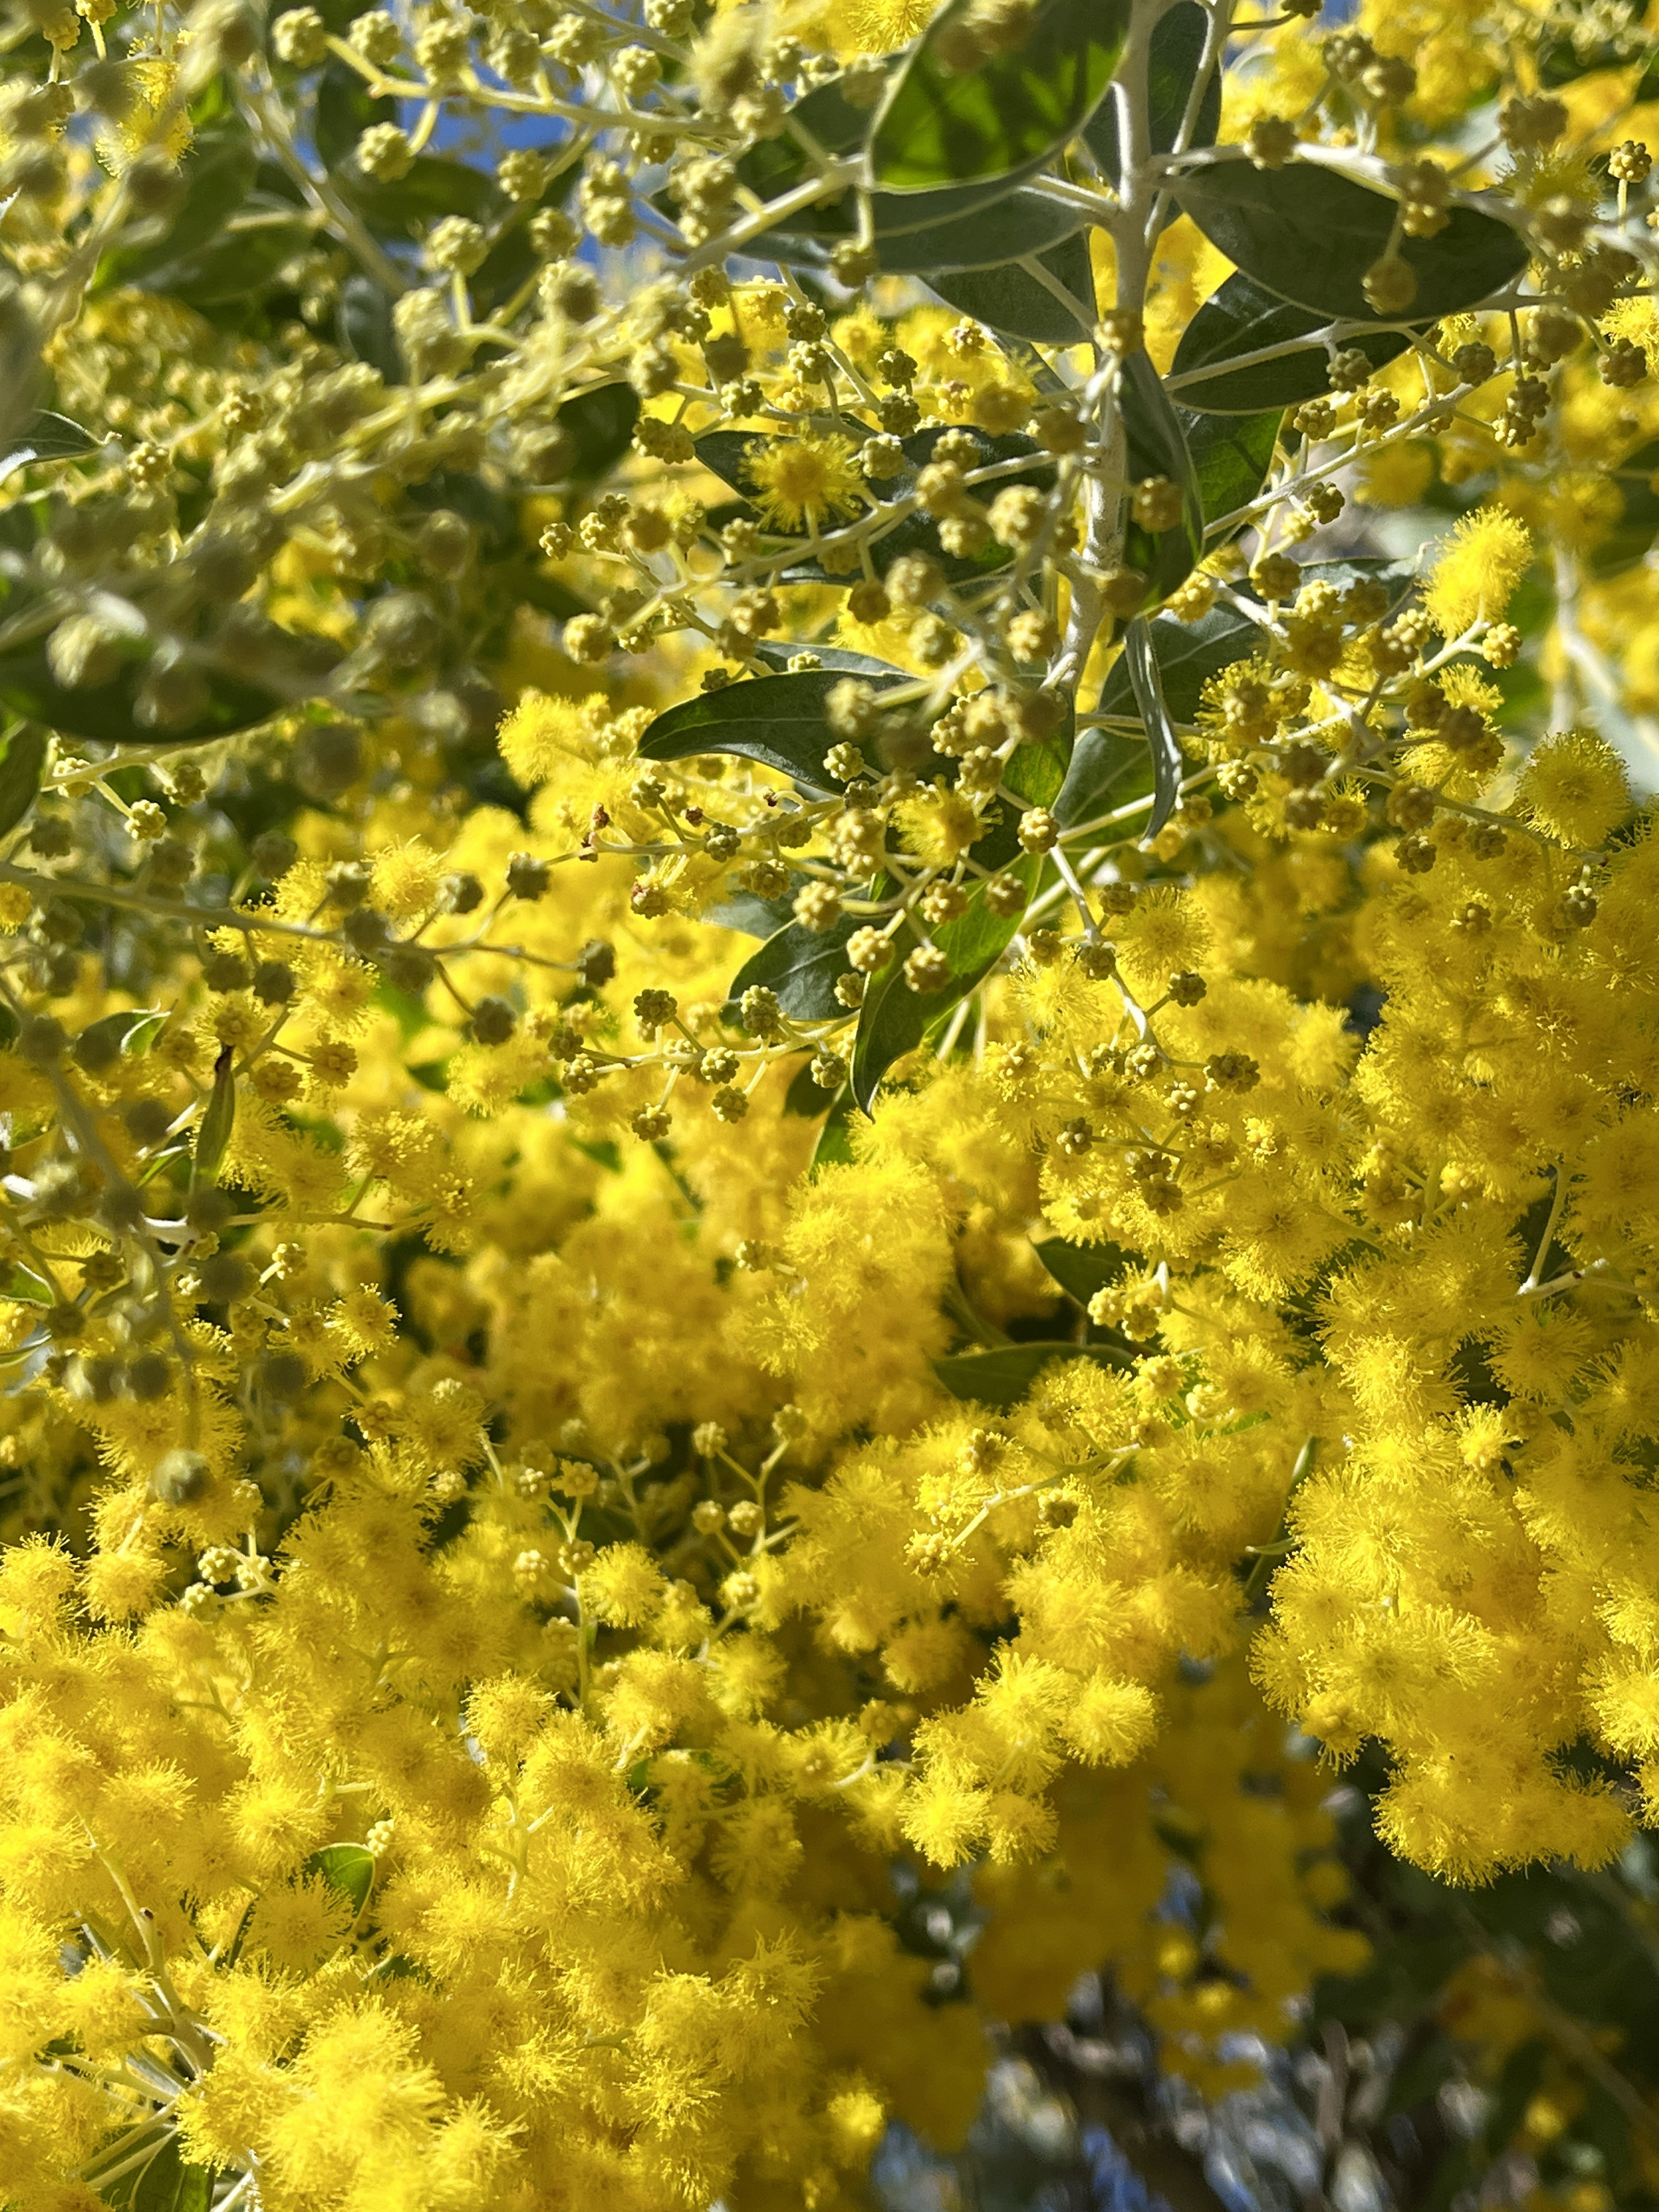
1014, 300
895, 1019
1168, 761
1082, 1269
218, 1119
1157, 447
22, 761
1176, 50
1005, 115
803, 966
1310, 234
1108, 769
347, 1868
1241, 319
1231, 456
1001, 1378
44, 437
778, 720
105, 711
601, 421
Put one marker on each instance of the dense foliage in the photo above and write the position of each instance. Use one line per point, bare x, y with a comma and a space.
829, 1034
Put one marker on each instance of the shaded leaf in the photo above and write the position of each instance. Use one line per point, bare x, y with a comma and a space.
1310, 234
1157, 447
1176, 50
803, 967
1005, 116
164, 2184
347, 1868
1231, 456
755, 917
725, 452
44, 437
834, 1145
778, 720
1012, 299
1082, 1269
218, 175
778, 654
1109, 769
248, 255
133, 1029
1168, 761
1187, 655
363, 327
1242, 317
22, 761
433, 188
344, 108
105, 711
1002, 1377
601, 421
894, 1019
218, 1119
806, 1098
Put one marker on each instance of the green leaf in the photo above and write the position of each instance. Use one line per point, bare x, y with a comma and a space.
1014, 300
802, 966
344, 109
165, 2184
726, 453
253, 247
44, 437
601, 421
1005, 115
806, 1098
1630, 538
1001, 1378
834, 1145
1082, 1269
1231, 456
218, 175
1310, 234
1157, 447
778, 720
218, 1119
778, 653
433, 188
1241, 317
22, 761
133, 1030
347, 1868
1167, 760
1187, 655
1108, 769
1176, 50
894, 1019
105, 711
755, 917
1024, 222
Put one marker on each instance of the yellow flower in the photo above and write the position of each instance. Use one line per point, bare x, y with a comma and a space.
804, 481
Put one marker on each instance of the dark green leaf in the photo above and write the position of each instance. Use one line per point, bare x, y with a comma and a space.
1082, 1269
347, 1868
44, 437
105, 711
803, 967
218, 174
1241, 318
778, 720
1231, 456
1001, 1378
1157, 447
1013, 300
433, 188
1168, 761
1632, 536
807, 1099
1187, 655
22, 761
218, 1119
778, 654
131, 1029
250, 253
755, 917
826, 117
726, 453
1008, 113
344, 110
1108, 769
363, 327
1176, 50
1310, 234
894, 1019
601, 421
1024, 222
834, 1145
165, 2184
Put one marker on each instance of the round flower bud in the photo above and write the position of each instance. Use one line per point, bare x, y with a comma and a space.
927, 969
300, 37
493, 1021
179, 1477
